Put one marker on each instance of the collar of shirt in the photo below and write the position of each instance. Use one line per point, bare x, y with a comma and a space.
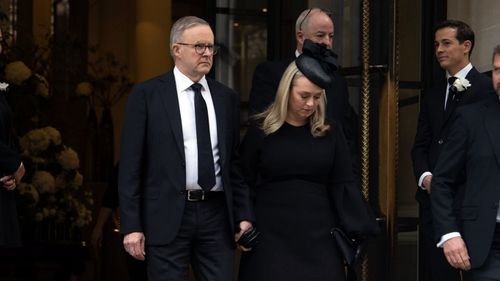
297, 53
183, 83
462, 73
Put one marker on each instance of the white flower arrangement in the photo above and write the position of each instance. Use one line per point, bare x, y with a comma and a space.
17, 72
53, 189
54, 135
461, 84
35, 141
44, 182
107, 81
68, 158
3, 86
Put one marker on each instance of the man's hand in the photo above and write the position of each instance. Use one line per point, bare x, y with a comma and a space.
11, 182
244, 226
134, 245
426, 183
456, 253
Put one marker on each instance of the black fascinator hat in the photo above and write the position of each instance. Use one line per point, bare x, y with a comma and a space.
316, 63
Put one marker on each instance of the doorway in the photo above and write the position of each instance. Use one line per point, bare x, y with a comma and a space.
381, 55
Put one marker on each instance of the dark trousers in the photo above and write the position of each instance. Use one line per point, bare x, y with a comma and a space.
433, 263
204, 240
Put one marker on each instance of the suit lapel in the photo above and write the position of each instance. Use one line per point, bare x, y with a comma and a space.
438, 103
492, 124
219, 101
171, 103
471, 93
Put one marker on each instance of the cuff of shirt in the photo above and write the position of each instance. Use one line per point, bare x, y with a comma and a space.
447, 237
421, 179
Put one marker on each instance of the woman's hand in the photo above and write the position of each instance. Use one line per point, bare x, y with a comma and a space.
8, 182
244, 226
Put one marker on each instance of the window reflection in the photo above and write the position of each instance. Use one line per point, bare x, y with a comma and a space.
241, 31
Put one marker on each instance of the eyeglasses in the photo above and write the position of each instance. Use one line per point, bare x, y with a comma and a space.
327, 12
200, 48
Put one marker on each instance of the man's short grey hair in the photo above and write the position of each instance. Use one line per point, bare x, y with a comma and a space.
304, 17
496, 52
180, 26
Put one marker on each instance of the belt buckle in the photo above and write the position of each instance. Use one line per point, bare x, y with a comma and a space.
191, 199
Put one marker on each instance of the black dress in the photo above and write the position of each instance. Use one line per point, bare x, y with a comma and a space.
292, 174
9, 163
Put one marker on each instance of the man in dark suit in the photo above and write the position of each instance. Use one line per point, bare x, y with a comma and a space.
470, 234
454, 41
316, 25
182, 196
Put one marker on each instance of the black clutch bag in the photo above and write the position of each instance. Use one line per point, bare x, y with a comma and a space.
249, 238
349, 249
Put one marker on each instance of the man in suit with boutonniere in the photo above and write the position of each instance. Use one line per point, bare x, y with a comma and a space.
453, 43
183, 199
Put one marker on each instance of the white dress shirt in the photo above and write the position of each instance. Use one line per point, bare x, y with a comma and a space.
185, 96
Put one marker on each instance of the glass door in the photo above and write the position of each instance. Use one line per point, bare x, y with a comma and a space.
379, 49
241, 31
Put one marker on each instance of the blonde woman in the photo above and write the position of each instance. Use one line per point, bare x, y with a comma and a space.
296, 163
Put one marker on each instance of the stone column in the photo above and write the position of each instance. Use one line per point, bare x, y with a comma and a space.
482, 16
152, 33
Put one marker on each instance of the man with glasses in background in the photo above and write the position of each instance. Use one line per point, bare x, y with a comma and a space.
182, 198
316, 25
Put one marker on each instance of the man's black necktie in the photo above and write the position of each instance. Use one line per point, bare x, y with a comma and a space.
206, 170
451, 92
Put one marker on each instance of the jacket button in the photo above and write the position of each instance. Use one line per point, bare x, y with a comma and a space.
440, 141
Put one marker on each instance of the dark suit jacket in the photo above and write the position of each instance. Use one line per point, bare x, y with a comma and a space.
473, 146
9, 163
266, 79
433, 124
152, 176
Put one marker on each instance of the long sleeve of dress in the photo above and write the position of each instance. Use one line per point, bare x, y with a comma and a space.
249, 151
9, 157
354, 213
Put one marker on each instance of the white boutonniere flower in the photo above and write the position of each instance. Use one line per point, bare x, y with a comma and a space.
461, 84
3, 86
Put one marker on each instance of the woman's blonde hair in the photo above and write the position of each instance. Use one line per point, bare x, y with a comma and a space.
275, 115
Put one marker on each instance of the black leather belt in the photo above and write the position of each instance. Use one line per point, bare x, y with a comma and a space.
197, 195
